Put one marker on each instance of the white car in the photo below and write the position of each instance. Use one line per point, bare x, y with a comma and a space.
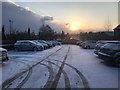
89, 44
3, 55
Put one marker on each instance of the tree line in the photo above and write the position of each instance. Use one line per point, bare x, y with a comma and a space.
97, 36
45, 33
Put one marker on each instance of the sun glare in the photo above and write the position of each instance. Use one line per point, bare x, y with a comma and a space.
73, 27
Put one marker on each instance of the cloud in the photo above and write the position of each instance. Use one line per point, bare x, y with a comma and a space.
48, 18
27, 8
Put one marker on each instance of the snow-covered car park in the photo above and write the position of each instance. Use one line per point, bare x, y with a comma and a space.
62, 66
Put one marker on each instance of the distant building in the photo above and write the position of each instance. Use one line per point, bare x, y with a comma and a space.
117, 32
75, 37
109, 33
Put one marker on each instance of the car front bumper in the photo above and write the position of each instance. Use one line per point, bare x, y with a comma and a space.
96, 52
105, 56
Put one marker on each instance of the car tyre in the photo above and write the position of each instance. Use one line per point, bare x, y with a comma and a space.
16, 49
87, 47
35, 49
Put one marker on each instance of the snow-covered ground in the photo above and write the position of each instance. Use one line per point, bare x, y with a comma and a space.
98, 74
49, 71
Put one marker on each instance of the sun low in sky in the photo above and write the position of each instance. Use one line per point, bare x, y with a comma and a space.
75, 26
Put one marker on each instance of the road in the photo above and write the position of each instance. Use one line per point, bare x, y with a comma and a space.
65, 66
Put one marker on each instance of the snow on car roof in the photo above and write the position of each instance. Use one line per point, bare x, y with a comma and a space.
26, 41
2, 49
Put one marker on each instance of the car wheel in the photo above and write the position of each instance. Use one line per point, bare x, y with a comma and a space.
35, 49
87, 47
44, 48
16, 49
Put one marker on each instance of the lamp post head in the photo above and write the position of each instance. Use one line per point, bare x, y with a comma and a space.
9, 20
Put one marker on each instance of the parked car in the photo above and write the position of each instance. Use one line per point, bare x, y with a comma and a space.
58, 43
51, 43
79, 43
89, 44
42, 44
98, 46
110, 52
46, 42
3, 55
27, 45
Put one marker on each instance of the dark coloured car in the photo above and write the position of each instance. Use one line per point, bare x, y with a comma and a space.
110, 52
99, 44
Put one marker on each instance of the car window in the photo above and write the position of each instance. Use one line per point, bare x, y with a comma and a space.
25, 43
93, 42
17, 43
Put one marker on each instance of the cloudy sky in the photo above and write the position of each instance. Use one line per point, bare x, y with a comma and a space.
82, 15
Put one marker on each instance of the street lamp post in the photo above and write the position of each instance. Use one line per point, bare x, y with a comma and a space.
10, 25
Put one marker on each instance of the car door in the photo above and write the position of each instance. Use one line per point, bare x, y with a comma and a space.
21, 46
25, 46
30, 46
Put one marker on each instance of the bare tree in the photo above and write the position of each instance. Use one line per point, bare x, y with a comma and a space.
108, 25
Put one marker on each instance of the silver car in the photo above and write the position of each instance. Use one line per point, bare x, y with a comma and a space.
3, 55
44, 44
89, 44
41, 44
27, 45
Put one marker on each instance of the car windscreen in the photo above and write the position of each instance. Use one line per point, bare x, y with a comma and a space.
37, 42
113, 46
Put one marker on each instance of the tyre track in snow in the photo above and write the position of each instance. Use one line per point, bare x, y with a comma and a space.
29, 74
51, 76
8, 83
84, 80
11, 79
57, 77
26, 78
66, 79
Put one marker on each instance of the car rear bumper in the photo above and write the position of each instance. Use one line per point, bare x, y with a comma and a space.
4, 59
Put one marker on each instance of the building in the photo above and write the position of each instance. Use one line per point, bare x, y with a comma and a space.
117, 32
